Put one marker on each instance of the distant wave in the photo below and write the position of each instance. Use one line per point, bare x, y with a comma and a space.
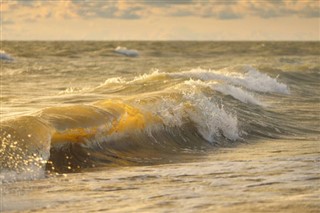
126, 52
5, 56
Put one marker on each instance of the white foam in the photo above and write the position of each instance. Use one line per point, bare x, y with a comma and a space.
251, 79
126, 52
247, 77
236, 92
261, 82
211, 120
5, 56
235, 84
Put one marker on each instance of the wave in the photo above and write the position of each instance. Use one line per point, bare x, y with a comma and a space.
246, 77
126, 52
4, 56
235, 92
108, 124
147, 119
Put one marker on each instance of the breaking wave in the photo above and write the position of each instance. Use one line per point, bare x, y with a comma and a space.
147, 119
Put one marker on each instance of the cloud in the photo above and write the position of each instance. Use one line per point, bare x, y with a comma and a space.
35, 10
310, 12
229, 14
218, 10
237, 9
27, 11
284, 8
107, 9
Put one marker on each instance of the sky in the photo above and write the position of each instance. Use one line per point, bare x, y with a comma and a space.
160, 20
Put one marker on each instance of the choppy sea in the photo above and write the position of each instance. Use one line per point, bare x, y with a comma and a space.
159, 126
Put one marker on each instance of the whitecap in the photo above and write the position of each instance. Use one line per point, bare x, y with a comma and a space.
126, 52
5, 56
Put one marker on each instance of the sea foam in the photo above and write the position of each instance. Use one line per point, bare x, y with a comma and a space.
251, 79
236, 92
5, 56
126, 52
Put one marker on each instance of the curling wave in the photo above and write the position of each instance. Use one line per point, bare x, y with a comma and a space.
181, 112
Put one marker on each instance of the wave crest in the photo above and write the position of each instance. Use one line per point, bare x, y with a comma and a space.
147, 118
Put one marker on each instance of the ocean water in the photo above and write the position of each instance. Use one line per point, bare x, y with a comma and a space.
160, 126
